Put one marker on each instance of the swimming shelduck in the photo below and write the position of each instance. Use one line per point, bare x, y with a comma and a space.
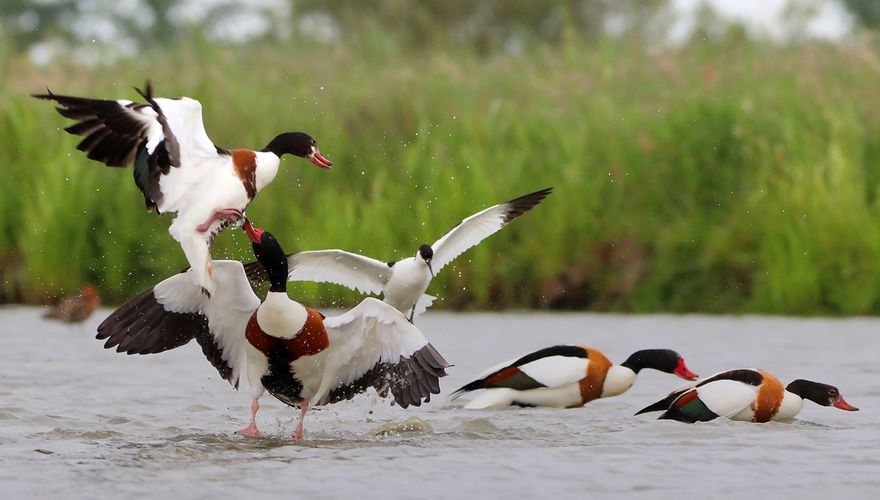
291, 350
177, 167
747, 395
566, 376
403, 283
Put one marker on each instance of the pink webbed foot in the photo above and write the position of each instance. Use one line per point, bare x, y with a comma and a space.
226, 214
250, 431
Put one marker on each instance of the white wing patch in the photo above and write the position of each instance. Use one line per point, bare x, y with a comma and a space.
725, 397
228, 310
372, 332
179, 294
184, 118
556, 371
348, 269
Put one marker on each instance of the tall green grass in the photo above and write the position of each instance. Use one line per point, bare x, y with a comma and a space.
722, 178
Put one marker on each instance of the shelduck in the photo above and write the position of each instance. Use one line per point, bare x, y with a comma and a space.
177, 167
749, 395
403, 283
76, 308
566, 376
294, 352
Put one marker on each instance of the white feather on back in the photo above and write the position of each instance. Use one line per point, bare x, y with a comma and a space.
727, 397
556, 371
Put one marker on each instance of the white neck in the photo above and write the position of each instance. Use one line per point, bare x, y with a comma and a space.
281, 317
267, 168
789, 407
617, 381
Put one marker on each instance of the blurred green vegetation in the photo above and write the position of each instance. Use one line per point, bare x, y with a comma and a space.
718, 176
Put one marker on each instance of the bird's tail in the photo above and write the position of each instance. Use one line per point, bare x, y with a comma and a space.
661, 405
472, 386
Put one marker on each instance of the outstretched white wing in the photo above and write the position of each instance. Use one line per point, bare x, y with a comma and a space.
480, 226
184, 118
348, 269
373, 345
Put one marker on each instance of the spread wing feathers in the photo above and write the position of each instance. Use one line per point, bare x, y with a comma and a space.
113, 131
175, 311
343, 268
143, 326
549, 371
155, 136
373, 345
480, 226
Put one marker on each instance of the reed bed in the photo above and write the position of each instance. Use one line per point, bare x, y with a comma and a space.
732, 177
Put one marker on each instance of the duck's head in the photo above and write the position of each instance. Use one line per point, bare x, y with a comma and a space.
426, 253
664, 360
298, 144
269, 254
821, 394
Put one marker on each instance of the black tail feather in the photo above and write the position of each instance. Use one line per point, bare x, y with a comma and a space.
473, 386
658, 406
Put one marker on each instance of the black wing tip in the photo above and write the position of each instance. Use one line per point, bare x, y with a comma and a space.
147, 93
470, 386
658, 406
48, 95
523, 204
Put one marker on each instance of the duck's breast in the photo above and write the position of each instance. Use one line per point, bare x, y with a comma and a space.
409, 280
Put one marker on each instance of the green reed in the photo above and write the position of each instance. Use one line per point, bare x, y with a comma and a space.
724, 178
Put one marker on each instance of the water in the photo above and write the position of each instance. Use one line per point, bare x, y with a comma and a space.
77, 421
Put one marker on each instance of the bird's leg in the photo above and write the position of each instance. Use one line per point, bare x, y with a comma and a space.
298, 433
227, 214
412, 313
251, 430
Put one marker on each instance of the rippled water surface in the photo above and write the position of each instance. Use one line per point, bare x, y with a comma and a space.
77, 421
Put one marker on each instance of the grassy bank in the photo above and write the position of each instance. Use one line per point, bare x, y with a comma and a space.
726, 178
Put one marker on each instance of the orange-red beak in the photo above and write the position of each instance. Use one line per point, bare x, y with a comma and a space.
843, 405
254, 233
320, 160
682, 371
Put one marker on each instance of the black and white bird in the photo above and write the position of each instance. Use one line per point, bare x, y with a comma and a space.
566, 376
749, 395
278, 344
403, 283
177, 167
